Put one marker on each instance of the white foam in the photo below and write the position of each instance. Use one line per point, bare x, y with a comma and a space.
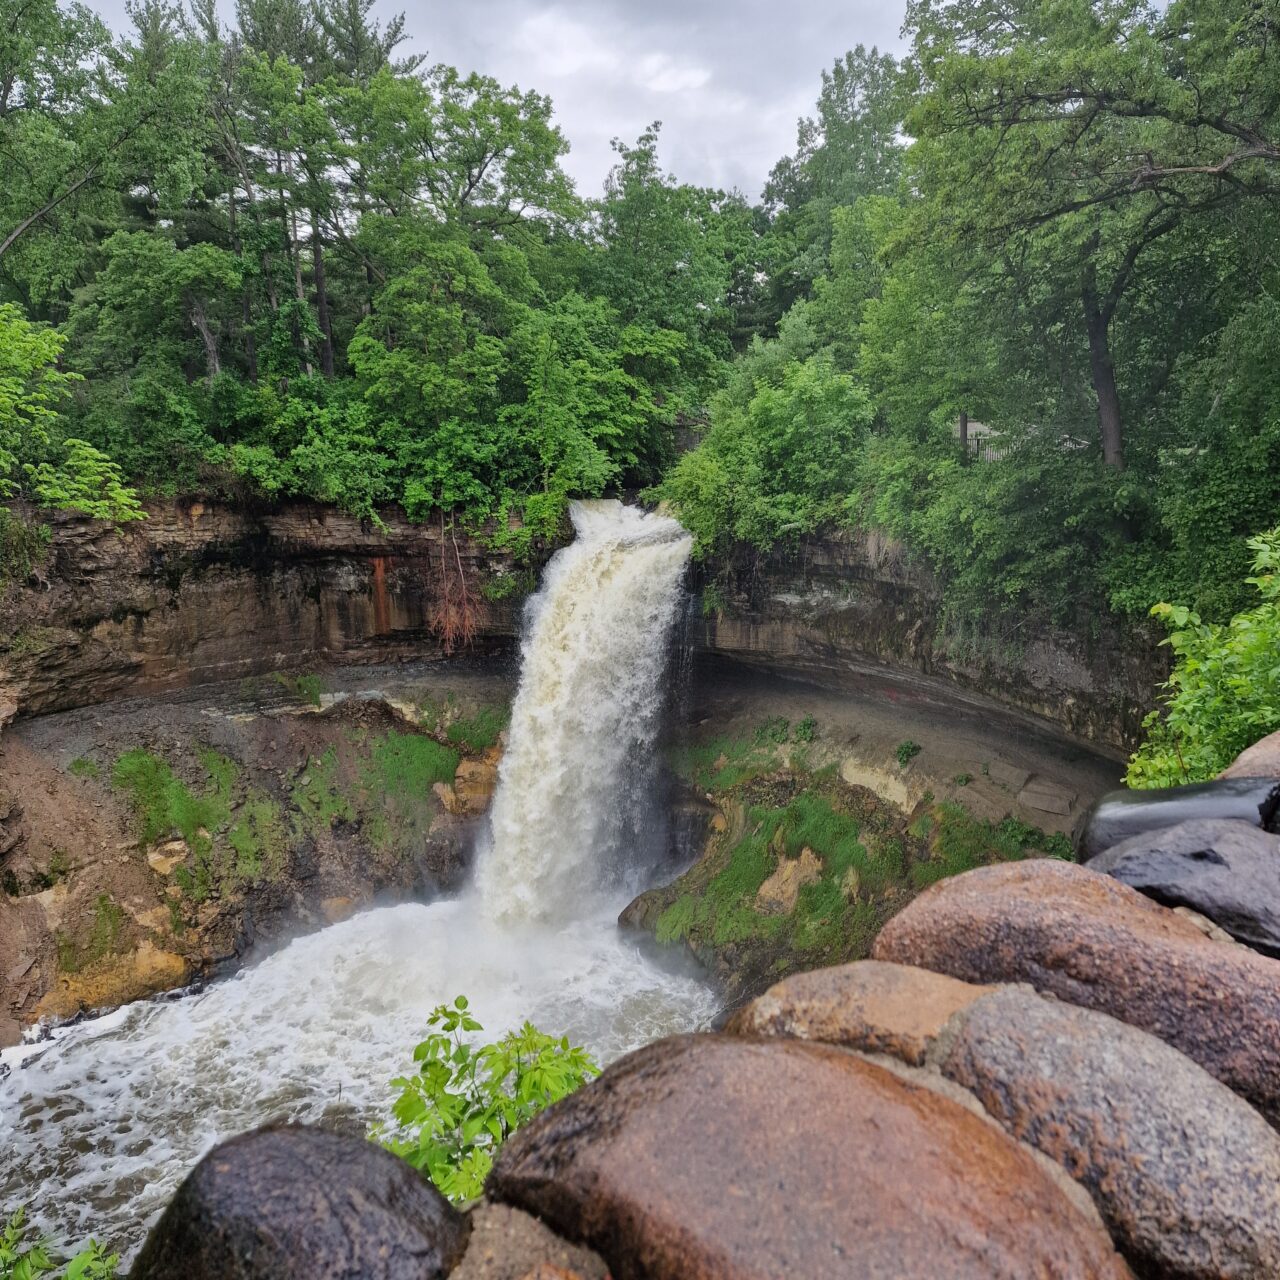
98, 1125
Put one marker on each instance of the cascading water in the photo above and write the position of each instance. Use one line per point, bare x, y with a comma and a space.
575, 789
100, 1122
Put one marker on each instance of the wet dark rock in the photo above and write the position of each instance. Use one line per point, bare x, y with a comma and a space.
1228, 871
1121, 815
294, 1203
1091, 941
712, 1158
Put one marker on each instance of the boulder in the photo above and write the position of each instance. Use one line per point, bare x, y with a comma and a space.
1121, 815
1225, 870
713, 1158
509, 1245
294, 1203
1262, 760
879, 1008
1093, 942
1183, 1172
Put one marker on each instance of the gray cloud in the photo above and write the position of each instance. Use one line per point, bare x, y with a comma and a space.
727, 79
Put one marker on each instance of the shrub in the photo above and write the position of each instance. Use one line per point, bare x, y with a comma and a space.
463, 1101
25, 1258
1224, 692
907, 752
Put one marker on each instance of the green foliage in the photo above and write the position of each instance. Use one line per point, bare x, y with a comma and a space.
307, 687
906, 752
959, 842
22, 545
24, 1257
1224, 692
83, 767
463, 1101
229, 844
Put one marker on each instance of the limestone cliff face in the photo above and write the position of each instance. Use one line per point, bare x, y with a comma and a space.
202, 592
847, 602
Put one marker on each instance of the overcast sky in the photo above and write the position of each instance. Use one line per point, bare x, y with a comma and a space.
728, 78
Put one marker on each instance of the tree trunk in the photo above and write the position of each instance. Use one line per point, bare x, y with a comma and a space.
322, 299
1110, 423
199, 321
246, 310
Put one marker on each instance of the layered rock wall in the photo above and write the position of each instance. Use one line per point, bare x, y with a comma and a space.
844, 601
202, 592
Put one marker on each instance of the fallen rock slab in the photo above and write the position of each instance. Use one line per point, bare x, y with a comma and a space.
294, 1203
1183, 1171
509, 1245
1093, 942
1226, 871
713, 1158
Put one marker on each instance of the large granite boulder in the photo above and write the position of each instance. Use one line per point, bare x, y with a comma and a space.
1262, 760
1183, 1172
1226, 870
713, 1158
1121, 815
1089, 940
871, 1006
294, 1203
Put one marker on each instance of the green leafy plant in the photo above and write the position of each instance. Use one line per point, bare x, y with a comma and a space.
1224, 692
775, 729
463, 1101
806, 730
23, 1257
907, 752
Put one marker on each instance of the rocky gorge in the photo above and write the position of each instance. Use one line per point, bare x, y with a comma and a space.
1041, 1071
871, 863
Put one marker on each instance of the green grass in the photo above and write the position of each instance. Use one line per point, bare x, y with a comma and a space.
83, 767
104, 937
318, 797
308, 687
409, 764
724, 763
480, 731
959, 842
225, 852
163, 803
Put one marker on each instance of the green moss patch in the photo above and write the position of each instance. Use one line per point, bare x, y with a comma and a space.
105, 936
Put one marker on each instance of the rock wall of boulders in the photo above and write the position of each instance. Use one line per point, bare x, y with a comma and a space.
1041, 1073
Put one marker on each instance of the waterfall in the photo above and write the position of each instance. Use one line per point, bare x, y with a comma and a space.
99, 1122
575, 789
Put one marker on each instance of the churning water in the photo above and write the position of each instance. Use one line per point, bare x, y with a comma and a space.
99, 1124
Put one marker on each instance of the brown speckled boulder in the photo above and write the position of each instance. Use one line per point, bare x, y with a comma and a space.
1183, 1171
1185, 1174
1262, 760
293, 1203
874, 1007
1093, 942
713, 1158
